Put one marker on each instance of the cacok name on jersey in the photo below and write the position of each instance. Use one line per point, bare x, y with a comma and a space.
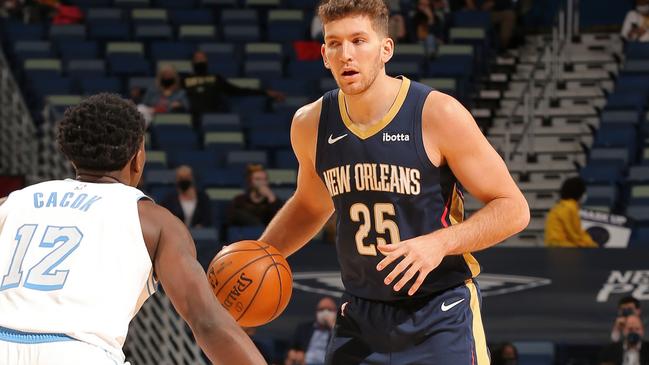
372, 177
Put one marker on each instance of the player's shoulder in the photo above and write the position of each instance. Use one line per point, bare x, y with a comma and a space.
308, 114
441, 105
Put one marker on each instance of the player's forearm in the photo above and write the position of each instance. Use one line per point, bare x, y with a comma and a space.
495, 222
293, 226
226, 343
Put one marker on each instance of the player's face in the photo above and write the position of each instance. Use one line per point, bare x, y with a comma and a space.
355, 53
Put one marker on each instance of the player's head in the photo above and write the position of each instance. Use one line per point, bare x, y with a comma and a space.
573, 188
628, 305
356, 45
104, 133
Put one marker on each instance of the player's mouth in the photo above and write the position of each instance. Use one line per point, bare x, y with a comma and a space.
349, 74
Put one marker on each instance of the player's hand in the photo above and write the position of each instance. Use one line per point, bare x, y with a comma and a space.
420, 256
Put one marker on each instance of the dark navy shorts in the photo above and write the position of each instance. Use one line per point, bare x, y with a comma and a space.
443, 329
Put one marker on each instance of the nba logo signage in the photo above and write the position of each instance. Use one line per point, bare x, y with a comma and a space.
608, 230
627, 282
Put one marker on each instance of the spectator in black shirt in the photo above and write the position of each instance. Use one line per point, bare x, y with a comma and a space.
209, 93
258, 205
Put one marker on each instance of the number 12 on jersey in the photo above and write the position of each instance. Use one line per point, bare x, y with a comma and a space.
360, 212
42, 276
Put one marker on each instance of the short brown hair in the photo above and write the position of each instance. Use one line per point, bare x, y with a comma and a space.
376, 10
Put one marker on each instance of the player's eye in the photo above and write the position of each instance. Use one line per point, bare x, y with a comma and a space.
359, 41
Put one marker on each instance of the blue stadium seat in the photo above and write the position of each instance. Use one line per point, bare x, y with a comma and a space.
221, 122
265, 139
250, 104
190, 16
239, 17
616, 135
307, 70
128, 65
222, 177
90, 86
637, 50
268, 121
171, 50
70, 49
264, 70
67, 32
480, 19
239, 158
174, 137
285, 159
451, 66
104, 15
226, 67
601, 195
110, 31
19, 31
241, 33
198, 160
293, 86
235, 233
610, 156
412, 70
86, 68
606, 174
620, 116
43, 85
640, 236
175, 4
159, 177
638, 174
626, 100
153, 32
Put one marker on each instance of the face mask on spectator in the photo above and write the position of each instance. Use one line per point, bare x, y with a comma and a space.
167, 83
643, 9
632, 338
323, 315
184, 185
200, 68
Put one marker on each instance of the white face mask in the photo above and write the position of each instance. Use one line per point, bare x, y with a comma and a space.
324, 316
642, 9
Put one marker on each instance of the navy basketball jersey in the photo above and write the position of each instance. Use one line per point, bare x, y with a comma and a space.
385, 190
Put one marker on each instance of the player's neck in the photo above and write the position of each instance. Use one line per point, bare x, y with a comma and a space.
101, 177
370, 106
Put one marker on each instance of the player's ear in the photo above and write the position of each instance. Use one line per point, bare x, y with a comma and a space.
139, 159
324, 57
387, 49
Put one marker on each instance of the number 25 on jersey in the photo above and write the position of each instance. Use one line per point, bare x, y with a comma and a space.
43, 275
360, 212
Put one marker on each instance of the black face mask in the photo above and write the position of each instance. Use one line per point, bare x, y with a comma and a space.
166, 83
184, 185
633, 338
200, 68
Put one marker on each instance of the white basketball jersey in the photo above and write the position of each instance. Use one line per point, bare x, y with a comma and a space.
73, 261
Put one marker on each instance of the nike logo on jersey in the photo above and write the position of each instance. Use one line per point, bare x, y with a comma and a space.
333, 140
446, 308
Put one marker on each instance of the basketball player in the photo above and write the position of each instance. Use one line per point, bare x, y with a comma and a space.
390, 156
79, 257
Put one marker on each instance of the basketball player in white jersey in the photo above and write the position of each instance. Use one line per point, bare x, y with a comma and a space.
79, 257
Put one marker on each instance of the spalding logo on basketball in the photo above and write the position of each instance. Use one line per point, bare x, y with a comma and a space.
252, 280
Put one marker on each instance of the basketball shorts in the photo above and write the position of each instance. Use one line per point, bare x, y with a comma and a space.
21, 348
443, 329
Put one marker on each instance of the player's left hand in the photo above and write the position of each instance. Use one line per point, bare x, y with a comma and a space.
421, 255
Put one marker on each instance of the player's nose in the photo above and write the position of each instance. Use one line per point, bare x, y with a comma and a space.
346, 51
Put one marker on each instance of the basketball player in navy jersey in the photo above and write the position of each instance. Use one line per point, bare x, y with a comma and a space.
390, 156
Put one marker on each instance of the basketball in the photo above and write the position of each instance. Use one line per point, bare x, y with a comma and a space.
252, 280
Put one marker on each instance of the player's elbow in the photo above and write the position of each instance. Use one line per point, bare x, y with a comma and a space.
521, 217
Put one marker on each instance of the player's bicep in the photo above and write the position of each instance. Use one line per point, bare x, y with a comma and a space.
473, 160
310, 188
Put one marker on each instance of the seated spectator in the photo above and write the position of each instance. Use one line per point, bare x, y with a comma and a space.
627, 306
563, 224
311, 338
189, 204
505, 354
423, 34
396, 26
636, 23
258, 205
209, 93
167, 96
632, 350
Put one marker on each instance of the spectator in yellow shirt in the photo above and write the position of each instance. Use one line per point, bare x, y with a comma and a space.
563, 225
